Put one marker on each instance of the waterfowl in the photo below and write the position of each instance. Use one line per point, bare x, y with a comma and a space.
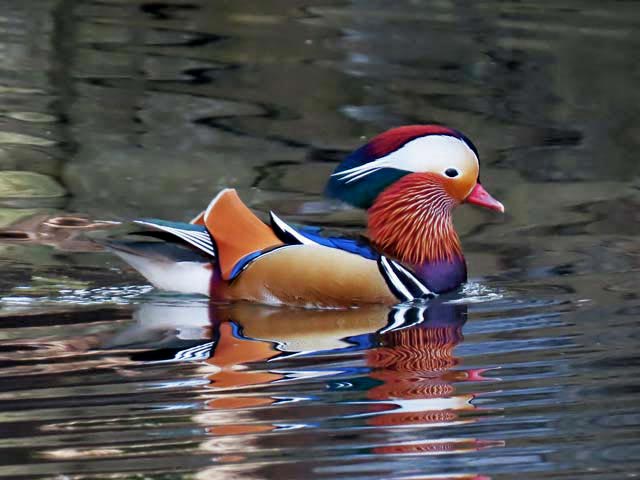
408, 179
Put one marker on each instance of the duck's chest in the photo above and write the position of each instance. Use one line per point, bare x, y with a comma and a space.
442, 276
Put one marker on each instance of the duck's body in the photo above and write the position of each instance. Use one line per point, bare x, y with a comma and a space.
284, 270
308, 275
409, 179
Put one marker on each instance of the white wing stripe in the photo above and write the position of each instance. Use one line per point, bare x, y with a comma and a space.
200, 240
196, 242
187, 236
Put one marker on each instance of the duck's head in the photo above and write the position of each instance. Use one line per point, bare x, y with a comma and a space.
409, 179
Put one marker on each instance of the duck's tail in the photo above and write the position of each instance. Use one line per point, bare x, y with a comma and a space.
167, 259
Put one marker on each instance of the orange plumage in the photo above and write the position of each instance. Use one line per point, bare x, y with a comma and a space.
412, 220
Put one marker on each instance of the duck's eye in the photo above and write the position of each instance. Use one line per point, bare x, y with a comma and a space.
451, 172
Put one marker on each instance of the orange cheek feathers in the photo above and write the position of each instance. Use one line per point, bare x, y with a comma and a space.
460, 187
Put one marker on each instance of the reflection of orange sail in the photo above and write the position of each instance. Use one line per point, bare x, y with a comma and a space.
296, 330
232, 352
263, 328
230, 355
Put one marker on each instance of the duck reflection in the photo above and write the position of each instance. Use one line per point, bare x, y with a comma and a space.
374, 371
416, 369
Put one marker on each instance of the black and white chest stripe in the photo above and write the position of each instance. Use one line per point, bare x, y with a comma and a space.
404, 284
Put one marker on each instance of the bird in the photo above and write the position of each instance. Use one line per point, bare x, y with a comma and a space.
409, 179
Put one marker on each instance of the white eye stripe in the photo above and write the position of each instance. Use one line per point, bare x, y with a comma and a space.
423, 154
358, 177
362, 170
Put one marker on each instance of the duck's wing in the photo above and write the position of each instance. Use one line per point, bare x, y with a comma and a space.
195, 235
312, 236
239, 235
172, 256
227, 231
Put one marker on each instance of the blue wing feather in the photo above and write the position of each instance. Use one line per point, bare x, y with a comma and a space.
350, 245
311, 235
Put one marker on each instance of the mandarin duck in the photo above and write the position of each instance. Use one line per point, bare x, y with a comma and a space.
408, 179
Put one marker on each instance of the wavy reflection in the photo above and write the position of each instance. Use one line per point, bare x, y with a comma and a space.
389, 379
415, 368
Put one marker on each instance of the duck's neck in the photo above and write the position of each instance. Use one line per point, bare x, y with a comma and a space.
411, 221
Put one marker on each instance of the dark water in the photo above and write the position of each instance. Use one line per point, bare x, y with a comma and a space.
115, 109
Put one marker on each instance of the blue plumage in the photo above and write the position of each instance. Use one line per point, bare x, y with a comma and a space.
350, 245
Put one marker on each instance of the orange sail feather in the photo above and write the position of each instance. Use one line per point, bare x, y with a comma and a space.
236, 230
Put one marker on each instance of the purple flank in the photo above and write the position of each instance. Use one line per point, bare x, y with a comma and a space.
443, 276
